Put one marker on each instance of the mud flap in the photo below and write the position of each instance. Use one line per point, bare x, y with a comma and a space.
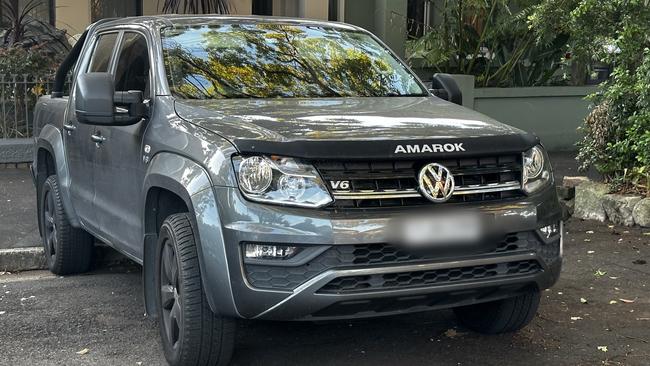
149, 276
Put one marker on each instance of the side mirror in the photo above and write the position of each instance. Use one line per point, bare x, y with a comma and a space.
97, 103
445, 87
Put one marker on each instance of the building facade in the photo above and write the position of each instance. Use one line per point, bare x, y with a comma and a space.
388, 19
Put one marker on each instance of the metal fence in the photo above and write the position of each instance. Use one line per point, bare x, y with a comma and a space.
18, 96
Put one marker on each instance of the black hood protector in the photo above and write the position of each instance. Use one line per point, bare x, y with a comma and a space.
391, 149
355, 128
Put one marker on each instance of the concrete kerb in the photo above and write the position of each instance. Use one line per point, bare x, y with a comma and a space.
22, 259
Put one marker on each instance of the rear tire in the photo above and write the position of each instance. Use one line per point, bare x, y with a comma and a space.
192, 335
502, 316
68, 249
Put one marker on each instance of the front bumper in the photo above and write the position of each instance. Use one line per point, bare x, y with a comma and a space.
333, 284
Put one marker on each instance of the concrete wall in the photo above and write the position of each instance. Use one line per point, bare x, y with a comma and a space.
313, 9
361, 13
390, 23
72, 15
553, 113
384, 18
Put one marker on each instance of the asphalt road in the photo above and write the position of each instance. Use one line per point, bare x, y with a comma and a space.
45, 320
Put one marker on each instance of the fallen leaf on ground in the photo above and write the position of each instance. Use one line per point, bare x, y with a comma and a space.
576, 318
583, 300
589, 231
613, 302
451, 333
600, 273
613, 278
602, 348
642, 318
627, 301
3, 312
587, 240
83, 351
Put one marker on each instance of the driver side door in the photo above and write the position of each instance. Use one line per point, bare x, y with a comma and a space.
118, 182
78, 137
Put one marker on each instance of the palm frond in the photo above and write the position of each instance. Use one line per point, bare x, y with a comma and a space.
195, 6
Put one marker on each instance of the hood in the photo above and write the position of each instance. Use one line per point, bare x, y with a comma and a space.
353, 127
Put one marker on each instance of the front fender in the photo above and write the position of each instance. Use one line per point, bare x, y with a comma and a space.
50, 139
192, 183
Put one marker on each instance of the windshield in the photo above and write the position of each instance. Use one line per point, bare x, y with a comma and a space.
273, 60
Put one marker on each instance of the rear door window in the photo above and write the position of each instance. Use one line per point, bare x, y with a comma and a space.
102, 54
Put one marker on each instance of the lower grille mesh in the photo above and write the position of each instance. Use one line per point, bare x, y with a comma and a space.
428, 278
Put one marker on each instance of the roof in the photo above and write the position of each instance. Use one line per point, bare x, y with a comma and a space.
186, 20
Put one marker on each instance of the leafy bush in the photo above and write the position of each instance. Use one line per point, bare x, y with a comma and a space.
27, 44
617, 132
33, 61
491, 39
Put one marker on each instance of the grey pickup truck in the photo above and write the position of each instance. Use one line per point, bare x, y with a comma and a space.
287, 169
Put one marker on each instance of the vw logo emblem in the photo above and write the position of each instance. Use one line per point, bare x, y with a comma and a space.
436, 182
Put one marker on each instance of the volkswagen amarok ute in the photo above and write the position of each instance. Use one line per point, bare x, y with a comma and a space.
287, 169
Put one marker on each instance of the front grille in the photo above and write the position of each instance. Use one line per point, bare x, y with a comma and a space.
360, 255
378, 184
434, 277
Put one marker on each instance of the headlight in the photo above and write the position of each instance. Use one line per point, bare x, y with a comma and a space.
279, 180
537, 170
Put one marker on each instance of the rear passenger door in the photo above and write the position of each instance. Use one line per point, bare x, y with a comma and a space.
118, 184
80, 149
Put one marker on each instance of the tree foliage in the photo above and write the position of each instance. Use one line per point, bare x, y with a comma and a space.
491, 40
617, 133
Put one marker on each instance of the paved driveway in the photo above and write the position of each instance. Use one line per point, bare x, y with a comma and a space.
45, 320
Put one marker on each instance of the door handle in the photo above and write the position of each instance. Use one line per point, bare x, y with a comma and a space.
97, 138
69, 127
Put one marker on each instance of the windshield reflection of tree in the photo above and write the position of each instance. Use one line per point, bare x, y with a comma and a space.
277, 60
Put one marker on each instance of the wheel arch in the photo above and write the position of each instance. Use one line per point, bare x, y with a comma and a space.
49, 158
174, 183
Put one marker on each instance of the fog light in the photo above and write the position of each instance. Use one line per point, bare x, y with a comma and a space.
550, 230
266, 251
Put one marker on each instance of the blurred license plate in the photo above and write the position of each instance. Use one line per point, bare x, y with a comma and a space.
440, 229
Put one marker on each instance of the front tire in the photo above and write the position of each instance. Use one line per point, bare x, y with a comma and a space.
191, 333
68, 249
502, 316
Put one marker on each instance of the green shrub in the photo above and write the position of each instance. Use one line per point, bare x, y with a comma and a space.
617, 133
35, 61
491, 40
